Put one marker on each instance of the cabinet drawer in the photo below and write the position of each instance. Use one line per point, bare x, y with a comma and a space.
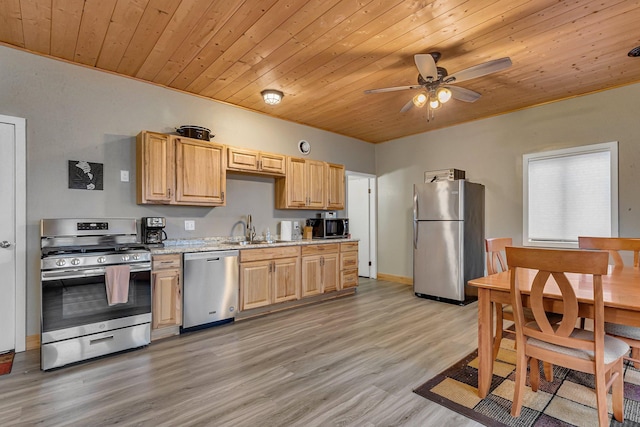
163, 262
348, 260
269, 253
320, 249
349, 279
349, 247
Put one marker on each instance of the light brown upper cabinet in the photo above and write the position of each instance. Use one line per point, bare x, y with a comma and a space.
179, 171
335, 186
304, 186
243, 160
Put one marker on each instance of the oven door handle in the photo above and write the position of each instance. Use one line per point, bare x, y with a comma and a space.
90, 272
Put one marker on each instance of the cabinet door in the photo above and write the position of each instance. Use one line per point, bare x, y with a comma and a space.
335, 187
330, 272
167, 299
311, 275
255, 289
286, 279
240, 159
272, 163
316, 184
296, 183
154, 168
200, 173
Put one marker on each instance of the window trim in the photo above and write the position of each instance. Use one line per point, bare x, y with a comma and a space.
611, 147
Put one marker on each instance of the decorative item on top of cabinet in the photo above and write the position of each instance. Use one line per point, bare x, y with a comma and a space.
348, 265
335, 186
166, 288
175, 170
304, 185
269, 276
320, 269
243, 160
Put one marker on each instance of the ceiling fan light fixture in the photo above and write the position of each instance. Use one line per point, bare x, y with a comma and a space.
272, 96
419, 100
434, 104
443, 94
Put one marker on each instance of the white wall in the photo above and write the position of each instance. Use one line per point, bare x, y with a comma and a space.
76, 113
490, 151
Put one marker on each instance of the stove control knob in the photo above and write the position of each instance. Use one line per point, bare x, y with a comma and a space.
102, 260
75, 261
125, 257
136, 257
60, 262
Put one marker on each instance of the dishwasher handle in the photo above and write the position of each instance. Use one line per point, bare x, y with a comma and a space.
210, 255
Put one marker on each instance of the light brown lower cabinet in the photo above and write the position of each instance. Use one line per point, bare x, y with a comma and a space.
348, 265
269, 276
166, 289
320, 269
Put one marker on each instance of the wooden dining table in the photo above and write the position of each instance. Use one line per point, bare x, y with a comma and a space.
621, 292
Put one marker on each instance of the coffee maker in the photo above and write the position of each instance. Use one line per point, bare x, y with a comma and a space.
153, 230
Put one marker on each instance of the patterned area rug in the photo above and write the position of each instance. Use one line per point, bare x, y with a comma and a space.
6, 362
568, 401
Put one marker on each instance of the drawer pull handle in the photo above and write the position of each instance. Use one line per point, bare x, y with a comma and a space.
213, 259
99, 340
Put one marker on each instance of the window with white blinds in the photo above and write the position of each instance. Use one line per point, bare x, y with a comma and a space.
570, 193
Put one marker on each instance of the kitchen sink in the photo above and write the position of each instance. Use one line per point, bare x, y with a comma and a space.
247, 243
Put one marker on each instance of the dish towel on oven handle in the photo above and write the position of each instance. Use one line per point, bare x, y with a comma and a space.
117, 283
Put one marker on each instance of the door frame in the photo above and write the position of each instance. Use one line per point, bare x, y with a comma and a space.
373, 225
20, 225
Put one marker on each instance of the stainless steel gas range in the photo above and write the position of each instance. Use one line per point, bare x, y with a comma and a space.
81, 258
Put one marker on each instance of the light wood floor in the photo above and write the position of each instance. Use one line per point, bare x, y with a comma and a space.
353, 361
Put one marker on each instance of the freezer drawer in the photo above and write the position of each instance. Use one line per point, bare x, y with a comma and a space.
210, 288
438, 265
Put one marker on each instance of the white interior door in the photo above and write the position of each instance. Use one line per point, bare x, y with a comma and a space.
361, 214
12, 234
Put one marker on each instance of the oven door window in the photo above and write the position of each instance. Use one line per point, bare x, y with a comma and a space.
74, 302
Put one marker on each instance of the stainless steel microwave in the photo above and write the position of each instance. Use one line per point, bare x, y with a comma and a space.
329, 228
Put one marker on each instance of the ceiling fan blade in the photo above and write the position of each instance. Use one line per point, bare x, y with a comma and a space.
426, 66
479, 70
462, 94
408, 106
392, 89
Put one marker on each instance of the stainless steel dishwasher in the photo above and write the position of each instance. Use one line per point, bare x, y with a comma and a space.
210, 294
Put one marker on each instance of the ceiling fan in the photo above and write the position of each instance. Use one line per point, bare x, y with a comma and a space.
435, 82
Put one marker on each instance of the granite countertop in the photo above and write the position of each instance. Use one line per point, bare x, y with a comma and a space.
225, 243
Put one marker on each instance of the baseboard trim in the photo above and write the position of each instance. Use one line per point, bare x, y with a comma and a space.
33, 342
397, 279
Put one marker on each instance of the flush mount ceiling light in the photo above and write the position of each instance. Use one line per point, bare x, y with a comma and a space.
635, 52
272, 96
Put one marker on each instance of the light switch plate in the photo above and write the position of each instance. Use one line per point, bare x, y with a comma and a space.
124, 176
189, 225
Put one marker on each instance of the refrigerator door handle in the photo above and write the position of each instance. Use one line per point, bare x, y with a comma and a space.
415, 220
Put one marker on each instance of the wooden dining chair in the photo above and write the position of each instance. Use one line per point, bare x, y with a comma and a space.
497, 263
630, 334
592, 352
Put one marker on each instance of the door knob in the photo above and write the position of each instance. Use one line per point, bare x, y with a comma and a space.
4, 244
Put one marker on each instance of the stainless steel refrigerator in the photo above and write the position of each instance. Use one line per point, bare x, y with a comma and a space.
448, 239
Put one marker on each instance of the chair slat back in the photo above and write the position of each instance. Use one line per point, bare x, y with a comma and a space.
495, 258
550, 263
614, 245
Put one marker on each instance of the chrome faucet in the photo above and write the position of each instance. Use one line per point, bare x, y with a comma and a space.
251, 230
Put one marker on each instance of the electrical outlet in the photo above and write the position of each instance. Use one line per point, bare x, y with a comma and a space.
189, 225
124, 176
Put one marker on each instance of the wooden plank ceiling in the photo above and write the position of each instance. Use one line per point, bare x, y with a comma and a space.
324, 53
